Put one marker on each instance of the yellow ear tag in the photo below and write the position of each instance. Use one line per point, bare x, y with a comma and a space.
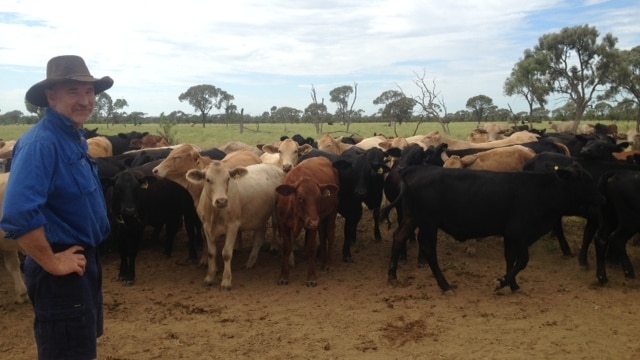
326, 193
556, 168
145, 185
380, 171
236, 177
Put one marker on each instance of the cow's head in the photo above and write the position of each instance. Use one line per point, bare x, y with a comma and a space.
216, 179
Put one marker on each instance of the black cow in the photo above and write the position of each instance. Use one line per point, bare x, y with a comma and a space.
596, 168
468, 204
618, 220
361, 181
139, 200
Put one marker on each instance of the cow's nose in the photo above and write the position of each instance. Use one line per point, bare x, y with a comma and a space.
286, 167
312, 224
221, 203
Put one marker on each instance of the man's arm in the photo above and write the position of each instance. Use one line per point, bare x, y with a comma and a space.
35, 244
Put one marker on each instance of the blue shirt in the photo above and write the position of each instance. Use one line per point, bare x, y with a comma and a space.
53, 183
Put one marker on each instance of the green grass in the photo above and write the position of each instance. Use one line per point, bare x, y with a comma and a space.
218, 134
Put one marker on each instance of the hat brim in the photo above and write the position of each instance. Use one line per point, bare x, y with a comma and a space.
36, 94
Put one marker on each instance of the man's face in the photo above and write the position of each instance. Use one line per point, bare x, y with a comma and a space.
73, 99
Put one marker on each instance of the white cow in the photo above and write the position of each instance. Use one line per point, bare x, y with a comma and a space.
9, 249
232, 200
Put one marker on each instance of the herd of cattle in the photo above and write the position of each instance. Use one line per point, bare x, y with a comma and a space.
518, 186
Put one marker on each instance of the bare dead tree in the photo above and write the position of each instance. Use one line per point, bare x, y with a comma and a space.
355, 96
431, 102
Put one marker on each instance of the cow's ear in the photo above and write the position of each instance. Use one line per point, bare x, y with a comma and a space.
563, 173
468, 160
328, 189
285, 190
392, 151
305, 149
238, 172
195, 176
269, 148
622, 146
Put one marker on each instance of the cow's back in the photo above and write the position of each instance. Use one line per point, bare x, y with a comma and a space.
257, 195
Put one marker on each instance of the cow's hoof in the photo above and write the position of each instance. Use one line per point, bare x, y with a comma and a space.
449, 292
22, 298
348, 259
225, 288
312, 283
207, 284
498, 284
283, 282
128, 282
422, 265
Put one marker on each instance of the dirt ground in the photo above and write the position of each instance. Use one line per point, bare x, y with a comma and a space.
354, 313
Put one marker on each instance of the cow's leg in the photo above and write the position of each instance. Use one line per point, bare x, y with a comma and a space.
428, 240
517, 257
212, 253
258, 240
399, 245
172, 228
351, 221
130, 238
327, 231
311, 248
193, 227
227, 254
587, 236
558, 231
618, 241
287, 251
12, 263
376, 224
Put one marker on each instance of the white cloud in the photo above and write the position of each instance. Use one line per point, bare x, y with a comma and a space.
269, 53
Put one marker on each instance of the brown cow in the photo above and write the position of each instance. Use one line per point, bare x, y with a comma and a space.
99, 147
9, 249
332, 145
308, 200
149, 141
508, 158
435, 138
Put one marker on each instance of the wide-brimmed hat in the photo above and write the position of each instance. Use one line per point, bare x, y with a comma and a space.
65, 68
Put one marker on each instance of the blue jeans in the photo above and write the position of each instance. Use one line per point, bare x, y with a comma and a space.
68, 309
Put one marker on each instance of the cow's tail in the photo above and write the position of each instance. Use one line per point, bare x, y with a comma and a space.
384, 212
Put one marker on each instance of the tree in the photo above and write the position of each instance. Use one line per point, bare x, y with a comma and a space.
316, 111
203, 98
431, 102
397, 106
480, 106
624, 76
36, 110
11, 118
118, 105
287, 115
577, 64
104, 108
340, 96
527, 80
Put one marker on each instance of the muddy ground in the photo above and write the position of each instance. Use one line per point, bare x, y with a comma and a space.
354, 313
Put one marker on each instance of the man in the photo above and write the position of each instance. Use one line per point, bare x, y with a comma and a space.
55, 209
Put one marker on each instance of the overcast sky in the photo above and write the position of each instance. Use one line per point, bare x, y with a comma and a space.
270, 52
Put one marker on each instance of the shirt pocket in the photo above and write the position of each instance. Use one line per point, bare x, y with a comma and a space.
82, 174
